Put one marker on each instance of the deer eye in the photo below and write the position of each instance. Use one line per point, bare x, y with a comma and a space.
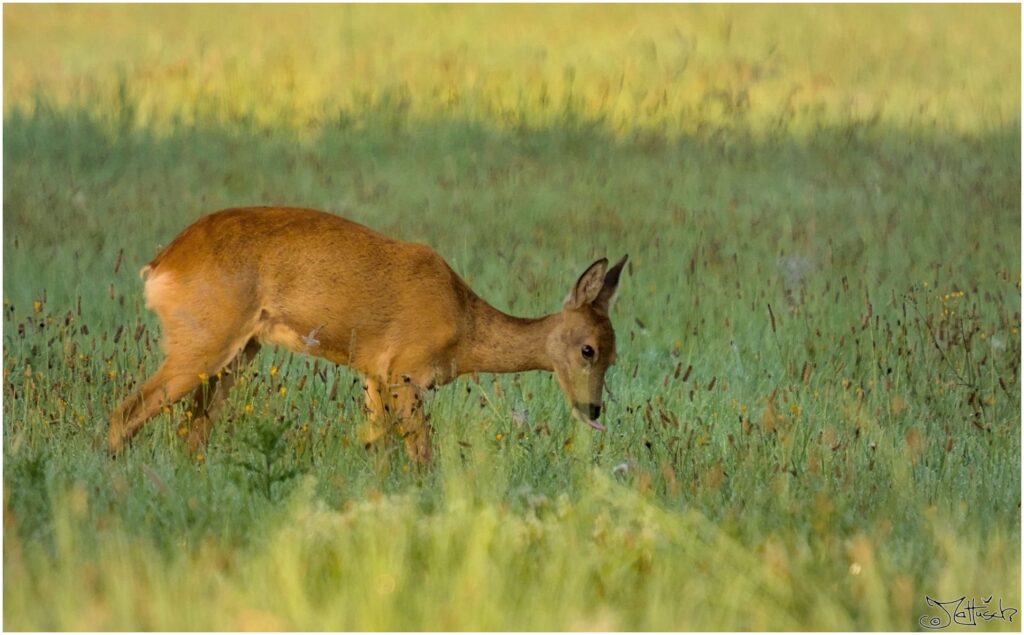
587, 351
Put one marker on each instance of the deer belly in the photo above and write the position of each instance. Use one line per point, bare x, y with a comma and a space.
338, 343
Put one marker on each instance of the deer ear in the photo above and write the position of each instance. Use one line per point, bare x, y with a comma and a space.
610, 286
588, 286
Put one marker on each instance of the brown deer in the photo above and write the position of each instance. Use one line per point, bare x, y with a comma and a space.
395, 311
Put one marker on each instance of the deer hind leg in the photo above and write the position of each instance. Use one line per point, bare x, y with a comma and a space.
172, 381
205, 327
208, 398
180, 374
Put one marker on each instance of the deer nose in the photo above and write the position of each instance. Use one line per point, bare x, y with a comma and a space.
592, 410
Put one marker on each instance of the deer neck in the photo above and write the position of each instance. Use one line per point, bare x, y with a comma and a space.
500, 343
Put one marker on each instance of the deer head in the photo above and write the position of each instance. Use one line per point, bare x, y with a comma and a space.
582, 346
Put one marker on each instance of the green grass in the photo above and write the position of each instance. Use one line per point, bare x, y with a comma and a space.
815, 416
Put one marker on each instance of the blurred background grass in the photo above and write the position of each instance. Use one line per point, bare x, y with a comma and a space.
815, 418
664, 68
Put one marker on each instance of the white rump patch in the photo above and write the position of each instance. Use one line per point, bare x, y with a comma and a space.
158, 287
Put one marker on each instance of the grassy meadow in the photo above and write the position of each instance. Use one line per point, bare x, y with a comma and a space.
814, 422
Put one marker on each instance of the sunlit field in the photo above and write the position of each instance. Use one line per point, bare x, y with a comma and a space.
814, 420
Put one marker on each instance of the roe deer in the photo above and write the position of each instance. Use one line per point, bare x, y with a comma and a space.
319, 284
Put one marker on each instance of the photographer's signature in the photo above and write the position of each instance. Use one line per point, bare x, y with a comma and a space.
964, 612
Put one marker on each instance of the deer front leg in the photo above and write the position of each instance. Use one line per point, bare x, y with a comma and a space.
412, 421
378, 419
